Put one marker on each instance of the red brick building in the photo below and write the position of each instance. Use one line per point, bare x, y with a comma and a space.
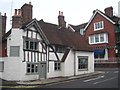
101, 34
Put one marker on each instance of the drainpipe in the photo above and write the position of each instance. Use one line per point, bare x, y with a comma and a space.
74, 63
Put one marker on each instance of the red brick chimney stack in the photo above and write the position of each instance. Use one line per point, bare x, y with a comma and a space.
22, 15
26, 12
61, 21
4, 18
109, 11
17, 19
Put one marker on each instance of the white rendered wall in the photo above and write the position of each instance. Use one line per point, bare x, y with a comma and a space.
14, 67
90, 62
69, 64
52, 72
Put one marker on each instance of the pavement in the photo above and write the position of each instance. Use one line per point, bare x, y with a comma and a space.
8, 84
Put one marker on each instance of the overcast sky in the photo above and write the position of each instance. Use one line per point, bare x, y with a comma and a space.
75, 11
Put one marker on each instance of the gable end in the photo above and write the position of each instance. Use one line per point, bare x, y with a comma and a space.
99, 12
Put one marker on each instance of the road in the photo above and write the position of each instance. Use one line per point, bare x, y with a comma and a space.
109, 79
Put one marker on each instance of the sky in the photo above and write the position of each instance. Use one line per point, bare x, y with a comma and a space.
75, 11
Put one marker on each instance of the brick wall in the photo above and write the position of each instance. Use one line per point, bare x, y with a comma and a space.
3, 49
108, 28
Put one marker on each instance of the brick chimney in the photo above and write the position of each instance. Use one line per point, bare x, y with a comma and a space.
17, 19
26, 12
109, 11
3, 19
61, 21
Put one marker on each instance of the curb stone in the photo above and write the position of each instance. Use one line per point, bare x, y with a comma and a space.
57, 81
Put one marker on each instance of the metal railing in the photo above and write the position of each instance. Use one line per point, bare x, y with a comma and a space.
110, 60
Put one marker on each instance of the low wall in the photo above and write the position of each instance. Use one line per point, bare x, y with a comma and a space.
107, 65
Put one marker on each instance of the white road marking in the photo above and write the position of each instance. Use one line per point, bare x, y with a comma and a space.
104, 80
93, 79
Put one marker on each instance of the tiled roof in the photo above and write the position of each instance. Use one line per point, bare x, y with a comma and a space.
78, 27
113, 18
64, 36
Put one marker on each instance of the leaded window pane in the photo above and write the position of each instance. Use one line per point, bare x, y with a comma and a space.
82, 62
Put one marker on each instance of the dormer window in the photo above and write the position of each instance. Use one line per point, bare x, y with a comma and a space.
82, 31
60, 49
99, 25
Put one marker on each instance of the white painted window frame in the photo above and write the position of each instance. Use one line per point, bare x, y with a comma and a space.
31, 68
82, 31
100, 42
98, 27
57, 66
79, 64
29, 45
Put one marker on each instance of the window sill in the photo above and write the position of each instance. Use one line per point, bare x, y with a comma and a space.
31, 73
57, 70
15, 56
30, 50
98, 29
98, 43
82, 69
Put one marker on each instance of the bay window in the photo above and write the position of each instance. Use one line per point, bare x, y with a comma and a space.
98, 38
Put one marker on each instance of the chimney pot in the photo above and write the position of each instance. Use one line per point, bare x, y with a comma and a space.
61, 20
15, 12
59, 12
94, 11
29, 3
62, 13
19, 12
4, 14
